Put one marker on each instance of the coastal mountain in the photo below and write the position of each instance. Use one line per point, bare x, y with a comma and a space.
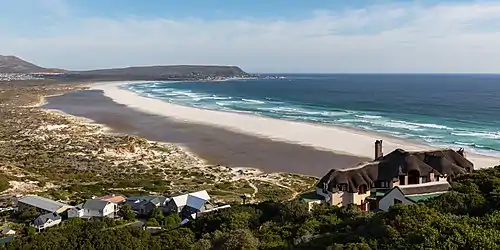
13, 64
165, 72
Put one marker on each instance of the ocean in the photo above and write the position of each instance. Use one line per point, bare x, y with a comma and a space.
440, 110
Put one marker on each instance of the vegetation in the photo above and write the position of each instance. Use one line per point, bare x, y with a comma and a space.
63, 158
466, 218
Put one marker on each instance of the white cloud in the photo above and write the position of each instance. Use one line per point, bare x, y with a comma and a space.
380, 38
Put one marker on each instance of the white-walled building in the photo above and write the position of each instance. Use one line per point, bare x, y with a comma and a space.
93, 208
399, 177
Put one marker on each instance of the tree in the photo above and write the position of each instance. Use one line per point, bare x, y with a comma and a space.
127, 213
240, 239
152, 222
28, 214
171, 221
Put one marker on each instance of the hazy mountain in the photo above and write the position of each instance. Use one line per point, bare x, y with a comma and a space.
13, 64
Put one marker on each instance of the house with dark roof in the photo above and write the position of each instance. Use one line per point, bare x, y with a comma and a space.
47, 220
143, 205
413, 173
42, 204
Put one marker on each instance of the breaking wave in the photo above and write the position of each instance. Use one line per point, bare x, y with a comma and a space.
430, 130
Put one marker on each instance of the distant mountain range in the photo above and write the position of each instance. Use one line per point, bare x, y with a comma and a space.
13, 64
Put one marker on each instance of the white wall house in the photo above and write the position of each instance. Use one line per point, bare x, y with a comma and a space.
395, 196
93, 208
47, 220
399, 177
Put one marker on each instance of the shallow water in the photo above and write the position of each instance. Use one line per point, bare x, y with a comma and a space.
440, 110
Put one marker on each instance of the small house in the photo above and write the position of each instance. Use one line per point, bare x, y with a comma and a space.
93, 208
47, 220
144, 205
189, 204
8, 231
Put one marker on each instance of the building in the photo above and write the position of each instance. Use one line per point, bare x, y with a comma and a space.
400, 176
8, 231
144, 205
115, 198
47, 220
93, 208
189, 205
42, 204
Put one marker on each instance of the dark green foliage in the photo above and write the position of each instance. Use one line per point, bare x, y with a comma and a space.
4, 183
466, 218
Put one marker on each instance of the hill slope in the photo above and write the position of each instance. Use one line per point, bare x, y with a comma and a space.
13, 64
173, 71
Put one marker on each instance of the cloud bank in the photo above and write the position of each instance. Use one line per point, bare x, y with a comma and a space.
442, 38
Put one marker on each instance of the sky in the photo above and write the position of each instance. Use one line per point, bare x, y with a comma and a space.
260, 36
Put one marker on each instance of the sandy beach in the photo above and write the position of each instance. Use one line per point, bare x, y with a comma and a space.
332, 138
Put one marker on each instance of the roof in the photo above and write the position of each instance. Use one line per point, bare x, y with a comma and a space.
93, 204
425, 188
147, 198
440, 162
7, 230
195, 200
201, 194
42, 219
42, 203
180, 200
311, 196
115, 198
417, 198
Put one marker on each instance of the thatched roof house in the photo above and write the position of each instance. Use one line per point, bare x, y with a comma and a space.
445, 163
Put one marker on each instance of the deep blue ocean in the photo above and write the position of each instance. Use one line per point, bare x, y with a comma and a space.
440, 110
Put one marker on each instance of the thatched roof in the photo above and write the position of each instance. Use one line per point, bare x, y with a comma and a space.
440, 162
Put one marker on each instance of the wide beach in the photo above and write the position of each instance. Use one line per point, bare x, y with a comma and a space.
258, 138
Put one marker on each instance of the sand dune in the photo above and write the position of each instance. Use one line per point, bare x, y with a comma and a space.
332, 138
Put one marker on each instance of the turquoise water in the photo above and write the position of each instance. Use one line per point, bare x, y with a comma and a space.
441, 110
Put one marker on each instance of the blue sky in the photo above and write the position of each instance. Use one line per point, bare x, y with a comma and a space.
260, 36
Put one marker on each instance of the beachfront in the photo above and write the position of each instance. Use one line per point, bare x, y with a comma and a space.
332, 138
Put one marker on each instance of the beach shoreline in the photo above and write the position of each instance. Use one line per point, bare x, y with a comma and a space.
332, 138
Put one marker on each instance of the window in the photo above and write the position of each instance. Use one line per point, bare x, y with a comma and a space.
437, 177
396, 201
382, 184
362, 189
342, 187
413, 177
402, 180
424, 179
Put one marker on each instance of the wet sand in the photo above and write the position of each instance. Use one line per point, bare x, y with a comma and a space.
214, 144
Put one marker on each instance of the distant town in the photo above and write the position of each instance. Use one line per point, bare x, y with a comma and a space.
24, 77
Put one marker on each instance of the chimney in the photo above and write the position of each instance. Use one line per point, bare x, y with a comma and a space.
378, 149
461, 152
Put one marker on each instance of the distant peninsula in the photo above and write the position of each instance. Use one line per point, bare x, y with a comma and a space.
15, 65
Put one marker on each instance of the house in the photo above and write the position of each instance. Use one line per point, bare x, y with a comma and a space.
115, 198
47, 220
189, 204
370, 185
8, 231
93, 208
143, 205
405, 195
42, 204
